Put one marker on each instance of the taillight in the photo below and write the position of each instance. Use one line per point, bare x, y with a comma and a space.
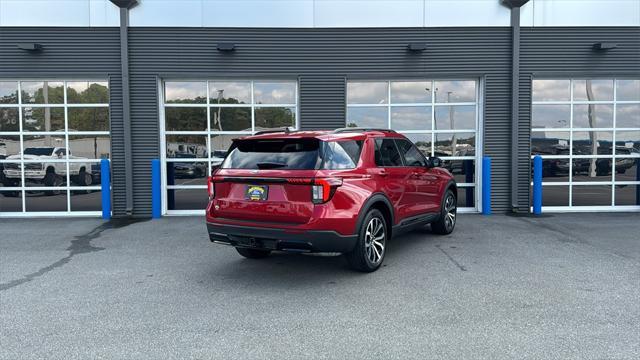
322, 189
211, 189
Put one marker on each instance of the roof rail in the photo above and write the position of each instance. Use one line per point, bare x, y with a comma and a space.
285, 130
360, 129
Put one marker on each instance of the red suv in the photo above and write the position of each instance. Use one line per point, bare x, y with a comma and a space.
347, 191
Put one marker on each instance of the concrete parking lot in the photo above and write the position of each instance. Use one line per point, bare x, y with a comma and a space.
556, 287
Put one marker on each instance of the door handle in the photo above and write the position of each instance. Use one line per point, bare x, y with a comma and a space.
382, 173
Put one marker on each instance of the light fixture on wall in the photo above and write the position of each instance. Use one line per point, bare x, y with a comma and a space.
30, 46
601, 46
417, 47
226, 46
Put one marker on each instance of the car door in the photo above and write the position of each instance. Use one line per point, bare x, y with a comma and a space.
422, 192
393, 177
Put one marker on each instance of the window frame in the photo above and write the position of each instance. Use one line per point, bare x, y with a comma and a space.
209, 133
66, 133
572, 156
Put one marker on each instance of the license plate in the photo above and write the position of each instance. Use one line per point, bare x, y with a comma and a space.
256, 192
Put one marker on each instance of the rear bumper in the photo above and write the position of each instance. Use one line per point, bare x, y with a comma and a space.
280, 239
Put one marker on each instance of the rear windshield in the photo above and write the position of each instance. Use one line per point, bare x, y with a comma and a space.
293, 154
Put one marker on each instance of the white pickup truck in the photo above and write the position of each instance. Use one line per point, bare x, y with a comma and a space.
41, 167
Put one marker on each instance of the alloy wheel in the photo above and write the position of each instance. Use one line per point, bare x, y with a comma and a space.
374, 240
450, 212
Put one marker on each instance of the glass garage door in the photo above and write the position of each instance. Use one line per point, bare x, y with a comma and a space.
199, 121
588, 134
440, 116
53, 134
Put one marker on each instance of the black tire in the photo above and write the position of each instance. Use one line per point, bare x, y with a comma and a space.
84, 178
368, 254
253, 253
53, 179
448, 214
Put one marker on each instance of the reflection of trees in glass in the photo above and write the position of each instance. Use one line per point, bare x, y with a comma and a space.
45, 95
94, 94
88, 119
186, 119
274, 117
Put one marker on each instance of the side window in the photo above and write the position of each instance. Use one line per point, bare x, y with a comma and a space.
410, 154
387, 153
342, 154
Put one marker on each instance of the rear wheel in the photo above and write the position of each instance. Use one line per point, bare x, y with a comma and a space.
51, 179
368, 254
448, 213
253, 253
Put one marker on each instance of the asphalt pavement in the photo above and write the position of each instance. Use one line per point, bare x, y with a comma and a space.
556, 287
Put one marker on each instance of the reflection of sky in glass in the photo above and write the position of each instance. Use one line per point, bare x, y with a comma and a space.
411, 118
455, 91
373, 117
274, 92
551, 116
181, 91
551, 90
628, 116
410, 92
603, 116
8, 92
628, 90
601, 89
464, 117
367, 92
240, 91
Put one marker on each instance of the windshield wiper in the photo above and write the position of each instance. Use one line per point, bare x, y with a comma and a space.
270, 165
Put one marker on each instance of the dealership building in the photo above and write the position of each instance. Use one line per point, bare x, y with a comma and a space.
133, 81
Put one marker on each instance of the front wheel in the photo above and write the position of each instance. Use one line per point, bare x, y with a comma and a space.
253, 253
370, 248
448, 213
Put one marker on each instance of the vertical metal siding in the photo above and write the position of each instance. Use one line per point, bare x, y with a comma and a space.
72, 53
564, 52
322, 102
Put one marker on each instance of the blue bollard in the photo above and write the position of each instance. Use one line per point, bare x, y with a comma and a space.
537, 185
105, 184
156, 198
486, 185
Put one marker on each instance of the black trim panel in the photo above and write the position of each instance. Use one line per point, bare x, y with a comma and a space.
280, 239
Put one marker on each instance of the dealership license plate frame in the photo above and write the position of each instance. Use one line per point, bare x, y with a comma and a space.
256, 192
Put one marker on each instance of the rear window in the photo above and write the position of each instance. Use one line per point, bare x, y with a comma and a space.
292, 154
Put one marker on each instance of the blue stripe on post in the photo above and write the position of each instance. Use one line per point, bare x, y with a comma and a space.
156, 208
105, 184
486, 185
537, 185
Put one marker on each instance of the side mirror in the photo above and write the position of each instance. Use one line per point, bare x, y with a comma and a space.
435, 162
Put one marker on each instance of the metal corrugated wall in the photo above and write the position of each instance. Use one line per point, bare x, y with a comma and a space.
563, 52
71, 53
321, 59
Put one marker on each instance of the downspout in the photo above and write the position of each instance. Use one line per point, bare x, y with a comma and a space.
515, 5
124, 6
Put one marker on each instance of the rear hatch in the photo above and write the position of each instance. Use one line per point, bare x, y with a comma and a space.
267, 181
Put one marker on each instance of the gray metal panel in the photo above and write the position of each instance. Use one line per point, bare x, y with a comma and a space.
563, 52
321, 59
321, 98
72, 53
